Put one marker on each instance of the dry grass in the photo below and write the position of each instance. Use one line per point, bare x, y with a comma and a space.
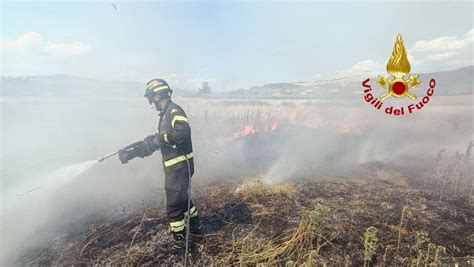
392, 178
254, 187
428, 254
455, 175
264, 114
299, 246
303, 223
370, 244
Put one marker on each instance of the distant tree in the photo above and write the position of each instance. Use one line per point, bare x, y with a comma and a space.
205, 90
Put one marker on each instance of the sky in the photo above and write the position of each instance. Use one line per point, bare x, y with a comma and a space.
231, 45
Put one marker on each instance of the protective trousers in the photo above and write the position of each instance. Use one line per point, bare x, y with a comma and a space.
176, 187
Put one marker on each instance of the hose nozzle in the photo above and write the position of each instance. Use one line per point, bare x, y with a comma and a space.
100, 159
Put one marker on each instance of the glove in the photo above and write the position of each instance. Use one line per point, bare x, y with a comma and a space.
142, 150
125, 156
152, 141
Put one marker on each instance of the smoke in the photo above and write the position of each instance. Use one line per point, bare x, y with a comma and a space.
314, 140
24, 212
40, 136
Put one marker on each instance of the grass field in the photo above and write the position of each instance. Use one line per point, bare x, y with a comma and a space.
277, 182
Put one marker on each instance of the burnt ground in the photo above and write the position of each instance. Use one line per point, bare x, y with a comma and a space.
264, 216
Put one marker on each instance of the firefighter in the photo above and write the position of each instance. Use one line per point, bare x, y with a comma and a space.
173, 138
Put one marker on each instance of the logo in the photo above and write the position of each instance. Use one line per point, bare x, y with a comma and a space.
398, 66
399, 84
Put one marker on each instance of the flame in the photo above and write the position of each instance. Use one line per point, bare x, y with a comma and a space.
398, 64
341, 127
247, 130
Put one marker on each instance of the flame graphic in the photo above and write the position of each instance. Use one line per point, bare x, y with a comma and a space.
398, 64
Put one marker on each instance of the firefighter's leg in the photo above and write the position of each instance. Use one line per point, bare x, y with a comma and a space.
183, 180
194, 223
176, 187
174, 203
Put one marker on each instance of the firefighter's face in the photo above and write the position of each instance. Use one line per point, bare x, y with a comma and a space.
157, 101
149, 96
153, 100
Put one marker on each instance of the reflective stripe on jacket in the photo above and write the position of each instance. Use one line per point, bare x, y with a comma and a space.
177, 138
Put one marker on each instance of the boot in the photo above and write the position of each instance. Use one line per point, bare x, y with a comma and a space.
178, 244
195, 227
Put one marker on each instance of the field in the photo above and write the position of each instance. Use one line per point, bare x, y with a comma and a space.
376, 217
277, 182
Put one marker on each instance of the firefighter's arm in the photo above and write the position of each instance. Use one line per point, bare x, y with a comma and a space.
146, 148
180, 129
152, 142
139, 149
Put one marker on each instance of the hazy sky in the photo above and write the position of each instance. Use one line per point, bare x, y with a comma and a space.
232, 45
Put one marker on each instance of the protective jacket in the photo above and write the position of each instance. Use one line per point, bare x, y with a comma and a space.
173, 138
175, 134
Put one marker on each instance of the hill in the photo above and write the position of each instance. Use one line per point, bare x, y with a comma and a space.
455, 82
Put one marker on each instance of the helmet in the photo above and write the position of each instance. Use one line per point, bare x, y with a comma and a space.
156, 86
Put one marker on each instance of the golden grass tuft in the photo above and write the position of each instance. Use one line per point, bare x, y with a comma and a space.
392, 178
254, 186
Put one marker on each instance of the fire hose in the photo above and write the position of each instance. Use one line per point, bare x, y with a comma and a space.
187, 218
188, 215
